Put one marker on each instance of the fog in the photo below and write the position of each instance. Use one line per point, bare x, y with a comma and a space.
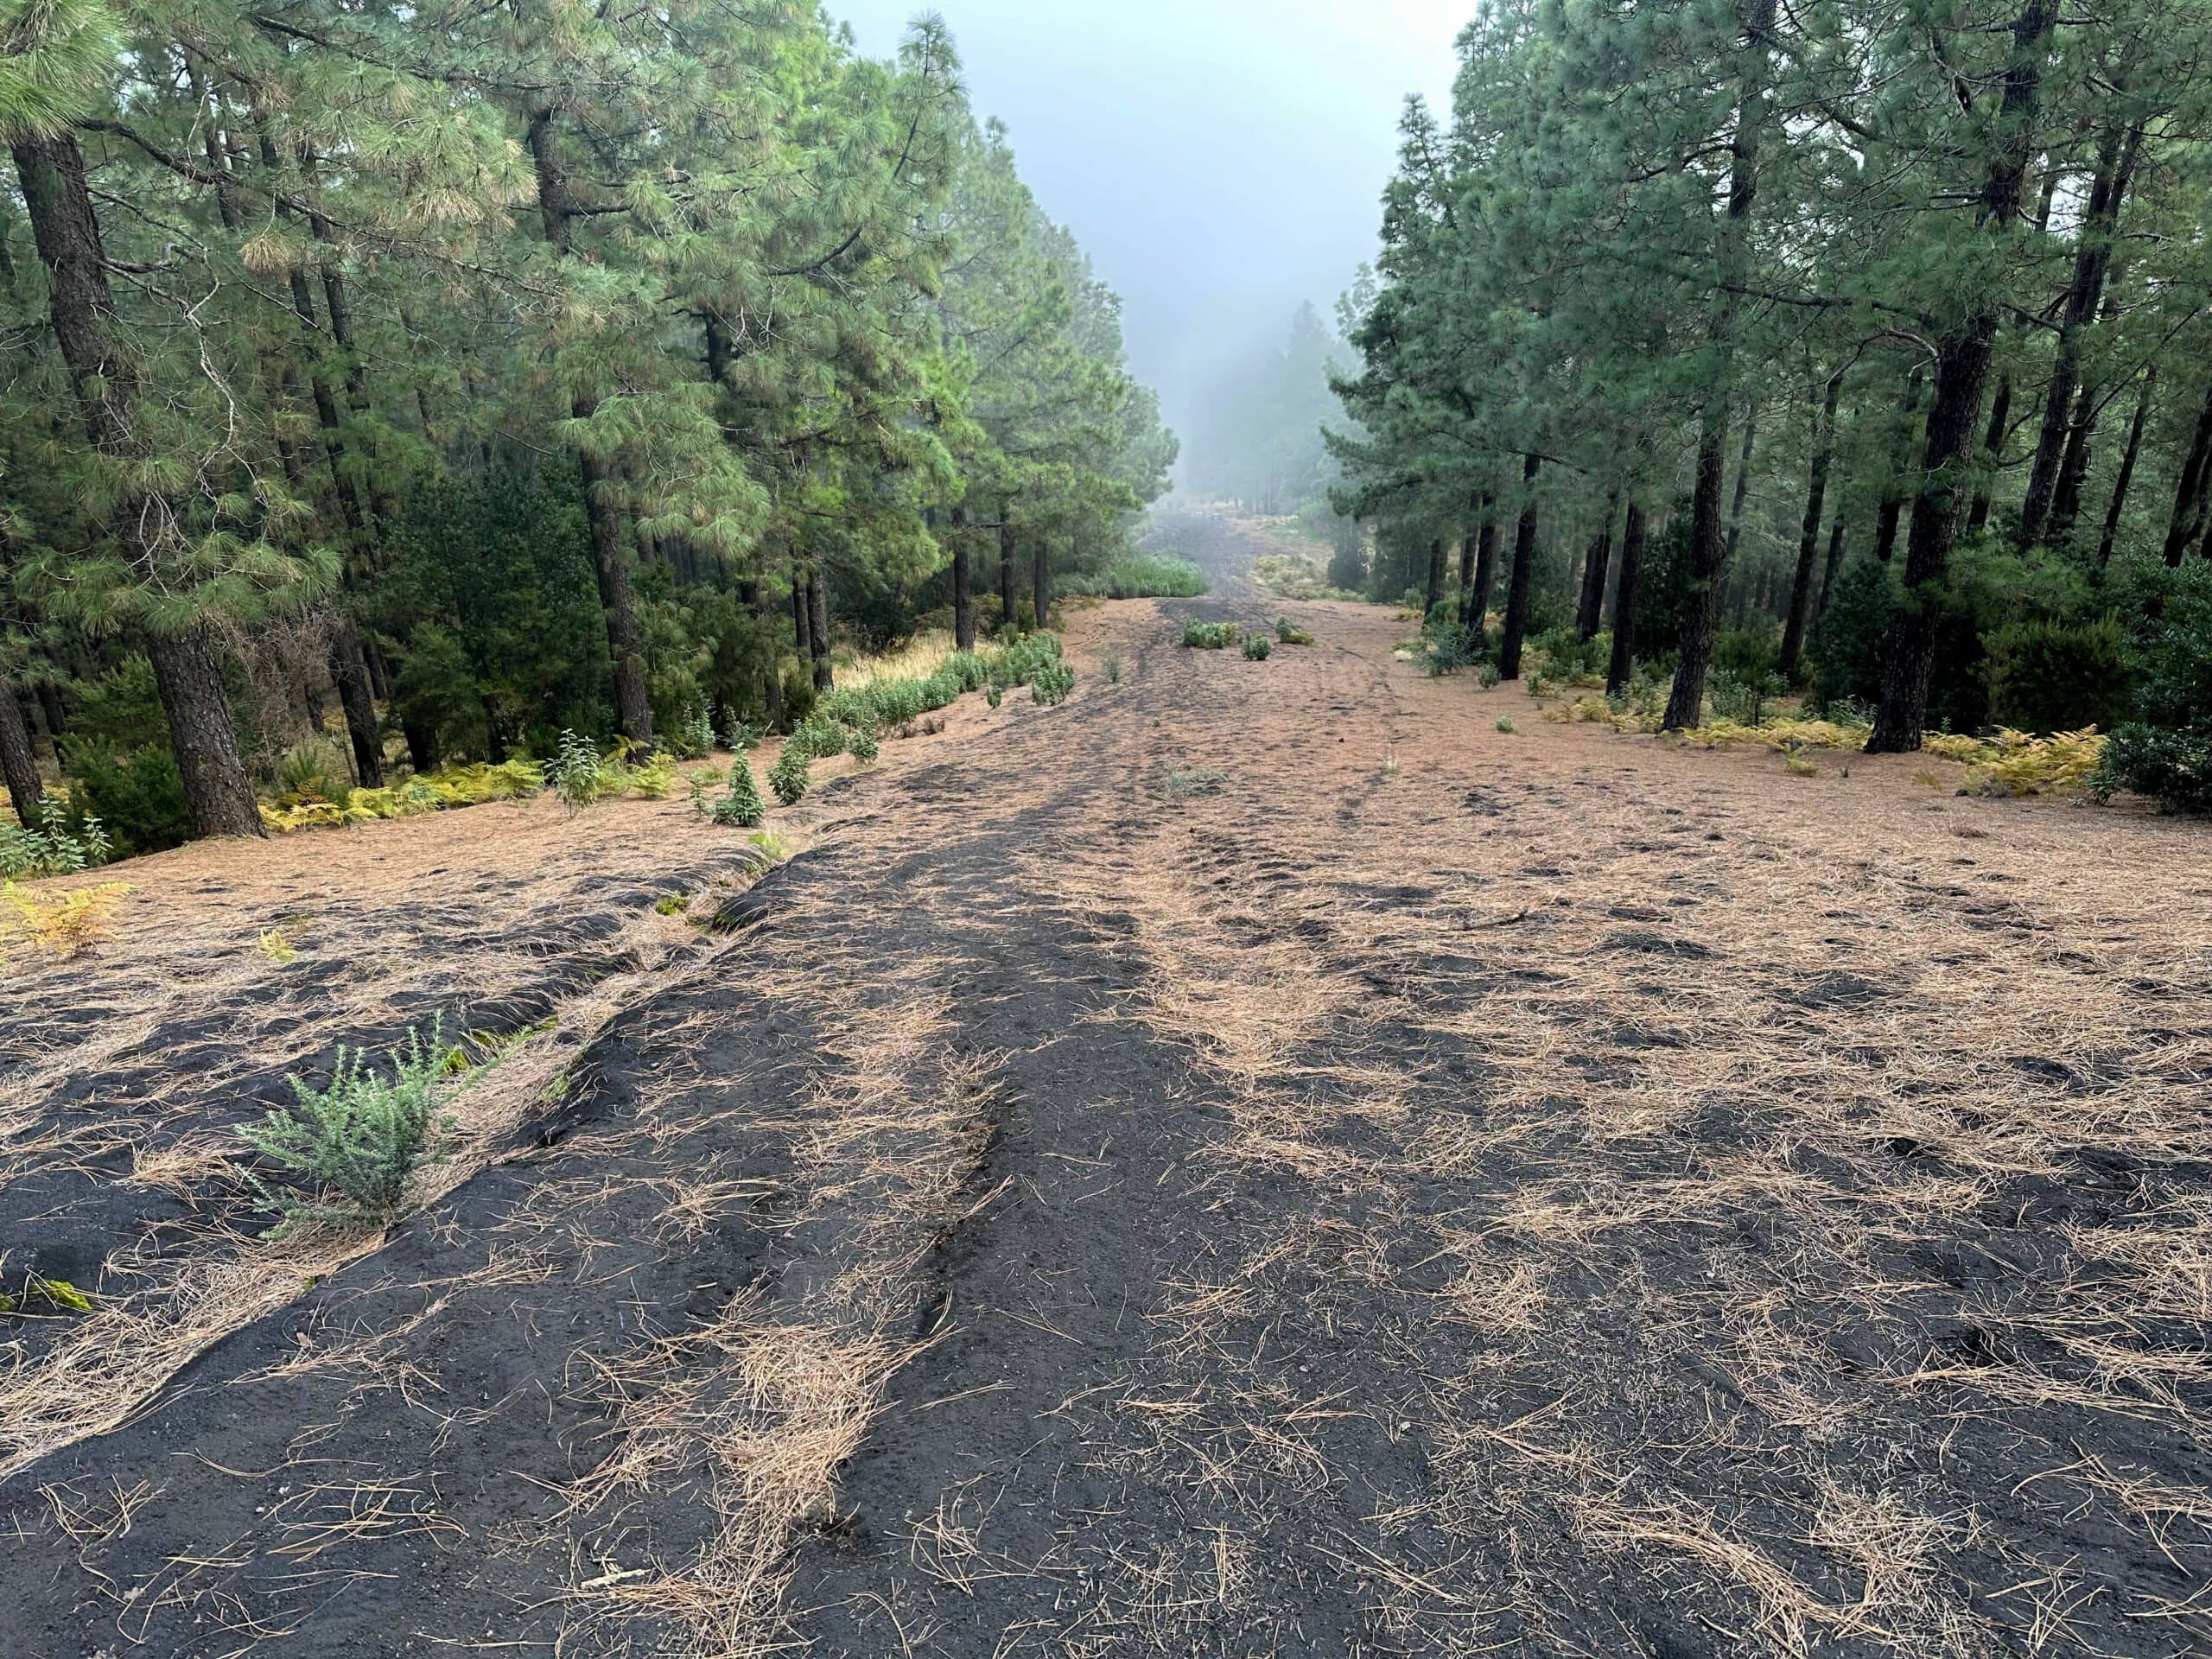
1222, 160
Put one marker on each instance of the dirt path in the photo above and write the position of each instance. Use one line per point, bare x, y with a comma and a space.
1253, 1161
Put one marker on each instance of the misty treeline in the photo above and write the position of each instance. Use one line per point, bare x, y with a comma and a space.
449, 376
1864, 343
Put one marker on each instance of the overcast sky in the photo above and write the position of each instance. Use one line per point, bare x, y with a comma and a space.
1222, 160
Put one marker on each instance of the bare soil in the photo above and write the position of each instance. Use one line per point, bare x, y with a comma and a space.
1255, 1161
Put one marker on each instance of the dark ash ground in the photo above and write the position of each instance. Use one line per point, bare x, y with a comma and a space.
1254, 1161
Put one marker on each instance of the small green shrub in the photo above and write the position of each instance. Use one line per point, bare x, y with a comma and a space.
789, 777
358, 1139
1110, 664
865, 742
1743, 701
693, 739
1051, 683
51, 845
1286, 635
1505, 724
1256, 648
576, 772
1487, 676
1209, 636
1444, 647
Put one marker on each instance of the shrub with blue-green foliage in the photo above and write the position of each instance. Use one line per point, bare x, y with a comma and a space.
788, 777
358, 1138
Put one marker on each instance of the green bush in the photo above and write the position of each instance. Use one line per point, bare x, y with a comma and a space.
1050, 684
742, 807
1257, 647
1286, 635
1209, 636
1138, 576
1568, 656
789, 777
2166, 752
359, 1139
1444, 647
119, 765
820, 735
2060, 677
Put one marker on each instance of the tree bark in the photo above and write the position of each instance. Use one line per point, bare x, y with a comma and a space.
219, 796
1475, 613
1992, 449
1432, 589
802, 617
2190, 494
1808, 534
1709, 548
2127, 460
2084, 298
1522, 578
1835, 563
1893, 490
349, 672
1622, 666
57, 715
1590, 613
1743, 483
1466, 573
1961, 368
1009, 597
963, 598
1040, 574
818, 605
18, 761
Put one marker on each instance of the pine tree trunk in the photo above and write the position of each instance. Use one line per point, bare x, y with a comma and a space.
1992, 449
57, 715
1432, 587
1835, 564
1808, 534
18, 761
1961, 368
1466, 573
1475, 613
1709, 548
423, 743
2127, 460
1743, 484
1522, 578
1009, 588
2190, 493
2092, 262
219, 796
349, 672
963, 597
218, 799
802, 618
817, 605
1040, 574
1893, 490
1590, 614
610, 561
1622, 666
1685, 702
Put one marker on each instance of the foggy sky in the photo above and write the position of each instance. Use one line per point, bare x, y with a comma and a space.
1221, 159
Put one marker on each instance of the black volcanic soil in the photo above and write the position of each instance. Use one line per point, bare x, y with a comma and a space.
1252, 1161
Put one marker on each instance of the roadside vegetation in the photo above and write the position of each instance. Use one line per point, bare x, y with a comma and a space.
314, 538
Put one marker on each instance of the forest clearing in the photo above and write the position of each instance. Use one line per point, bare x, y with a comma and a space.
1261, 831
1254, 1159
